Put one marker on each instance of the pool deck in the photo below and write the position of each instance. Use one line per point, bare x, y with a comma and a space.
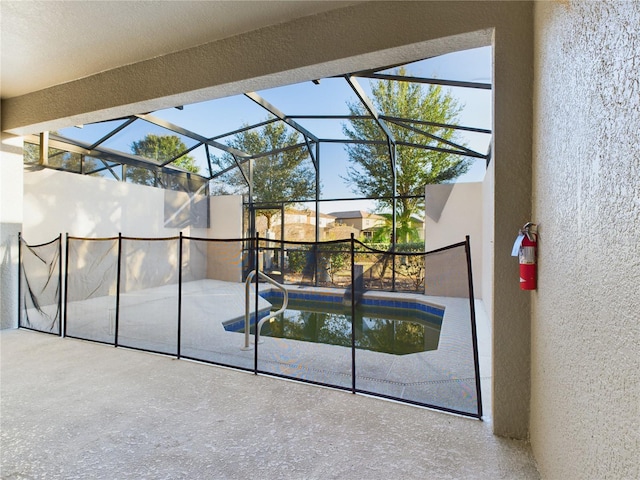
73, 409
443, 377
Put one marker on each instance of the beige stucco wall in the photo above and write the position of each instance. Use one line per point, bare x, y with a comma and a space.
353, 38
225, 259
585, 405
461, 216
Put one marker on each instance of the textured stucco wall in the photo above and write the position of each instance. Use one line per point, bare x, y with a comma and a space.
488, 206
585, 407
511, 152
10, 226
354, 38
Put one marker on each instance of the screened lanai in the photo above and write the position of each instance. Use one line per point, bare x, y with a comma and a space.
331, 174
314, 161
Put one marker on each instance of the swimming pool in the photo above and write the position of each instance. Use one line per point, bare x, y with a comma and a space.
398, 331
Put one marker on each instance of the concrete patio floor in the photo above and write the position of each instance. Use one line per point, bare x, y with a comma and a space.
74, 409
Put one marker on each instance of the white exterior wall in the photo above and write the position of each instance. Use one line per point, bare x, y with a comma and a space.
461, 216
585, 376
10, 226
225, 218
60, 202
325, 221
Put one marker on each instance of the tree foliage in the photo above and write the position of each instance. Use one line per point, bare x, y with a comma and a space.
285, 176
406, 230
370, 173
160, 148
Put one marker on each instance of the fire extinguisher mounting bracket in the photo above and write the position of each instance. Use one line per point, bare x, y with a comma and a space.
528, 229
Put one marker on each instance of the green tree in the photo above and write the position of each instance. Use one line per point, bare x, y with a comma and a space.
370, 171
160, 148
283, 176
406, 230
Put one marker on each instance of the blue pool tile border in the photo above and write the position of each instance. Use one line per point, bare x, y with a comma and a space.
237, 324
366, 301
404, 305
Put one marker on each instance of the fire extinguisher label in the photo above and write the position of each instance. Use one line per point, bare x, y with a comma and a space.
527, 255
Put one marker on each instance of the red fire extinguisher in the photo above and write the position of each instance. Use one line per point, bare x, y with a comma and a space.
527, 243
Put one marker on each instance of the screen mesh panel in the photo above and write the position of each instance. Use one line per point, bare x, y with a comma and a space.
311, 340
419, 346
40, 286
213, 303
148, 305
92, 268
376, 266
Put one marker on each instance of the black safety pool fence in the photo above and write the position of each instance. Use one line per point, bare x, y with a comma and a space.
39, 286
394, 324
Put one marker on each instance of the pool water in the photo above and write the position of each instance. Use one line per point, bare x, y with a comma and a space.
395, 331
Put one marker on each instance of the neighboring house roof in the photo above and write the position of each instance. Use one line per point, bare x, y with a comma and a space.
355, 214
309, 213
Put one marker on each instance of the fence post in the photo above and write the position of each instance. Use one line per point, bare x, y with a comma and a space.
66, 283
19, 278
118, 275
393, 266
60, 314
474, 333
179, 293
353, 316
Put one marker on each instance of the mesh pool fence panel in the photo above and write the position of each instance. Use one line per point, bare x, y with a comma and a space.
432, 360
312, 339
213, 303
148, 297
91, 289
395, 325
39, 288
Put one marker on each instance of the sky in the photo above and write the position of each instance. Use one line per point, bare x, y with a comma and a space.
330, 97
